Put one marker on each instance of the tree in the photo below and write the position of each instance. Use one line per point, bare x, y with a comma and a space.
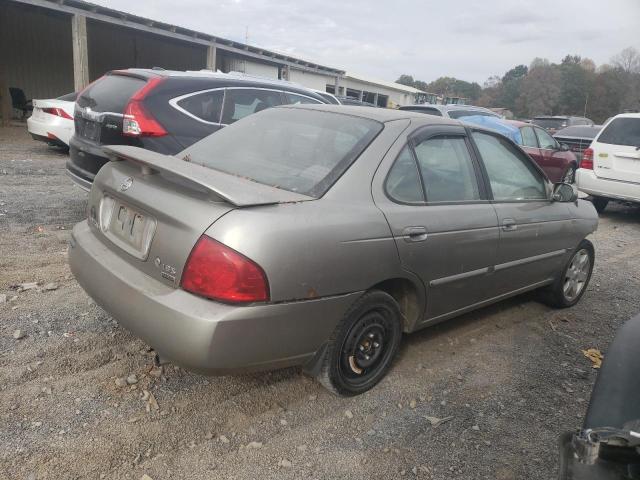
406, 80
628, 60
540, 91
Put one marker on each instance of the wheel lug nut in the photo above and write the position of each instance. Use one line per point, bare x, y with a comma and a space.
371, 335
376, 344
367, 357
361, 348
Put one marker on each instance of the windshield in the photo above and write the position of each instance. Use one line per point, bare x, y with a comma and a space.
468, 113
303, 151
550, 122
622, 131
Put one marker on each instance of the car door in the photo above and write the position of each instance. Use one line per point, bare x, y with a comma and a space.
430, 190
535, 233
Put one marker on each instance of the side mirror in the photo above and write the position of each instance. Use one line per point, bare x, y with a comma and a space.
564, 192
564, 147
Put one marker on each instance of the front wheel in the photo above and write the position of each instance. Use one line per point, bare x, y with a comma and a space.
569, 287
362, 346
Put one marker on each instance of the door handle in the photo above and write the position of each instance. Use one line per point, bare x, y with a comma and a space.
414, 234
509, 225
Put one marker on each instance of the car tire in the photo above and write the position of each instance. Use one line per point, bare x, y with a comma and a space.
569, 287
569, 175
362, 346
600, 203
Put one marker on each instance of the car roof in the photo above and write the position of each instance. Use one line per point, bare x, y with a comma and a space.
627, 115
378, 114
582, 131
519, 123
451, 106
211, 75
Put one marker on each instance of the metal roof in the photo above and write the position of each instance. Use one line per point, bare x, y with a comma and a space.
391, 85
123, 19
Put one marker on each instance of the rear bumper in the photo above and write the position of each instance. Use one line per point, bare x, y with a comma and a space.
60, 128
588, 182
85, 161
196, 333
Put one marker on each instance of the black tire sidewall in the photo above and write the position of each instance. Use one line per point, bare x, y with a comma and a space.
370, 301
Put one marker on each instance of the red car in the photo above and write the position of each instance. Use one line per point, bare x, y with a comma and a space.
557, 161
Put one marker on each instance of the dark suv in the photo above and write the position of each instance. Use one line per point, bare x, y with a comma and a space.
554, 123
165, 111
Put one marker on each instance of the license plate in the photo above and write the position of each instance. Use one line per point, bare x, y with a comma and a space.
127, 227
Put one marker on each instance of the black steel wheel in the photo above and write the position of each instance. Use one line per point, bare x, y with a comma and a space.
362, 346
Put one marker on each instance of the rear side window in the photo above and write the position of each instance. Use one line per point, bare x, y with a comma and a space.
511, 175
111, 93
622, 131
293, 98
447, 171
545, 140
403, 181
242, 102
294, 149
528, 137
206, 106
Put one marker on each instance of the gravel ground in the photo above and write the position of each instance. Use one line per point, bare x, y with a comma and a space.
510, 378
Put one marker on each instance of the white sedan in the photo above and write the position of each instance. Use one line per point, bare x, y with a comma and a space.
52, 120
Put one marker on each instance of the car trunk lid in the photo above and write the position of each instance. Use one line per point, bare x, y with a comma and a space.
151, 209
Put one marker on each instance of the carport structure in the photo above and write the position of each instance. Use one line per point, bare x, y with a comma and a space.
49, 48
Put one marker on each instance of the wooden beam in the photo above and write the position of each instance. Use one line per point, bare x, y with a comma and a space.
80, 52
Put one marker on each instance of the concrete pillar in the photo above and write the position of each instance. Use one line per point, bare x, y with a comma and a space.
212, 52
285, 72
361, 95
336, 84
375, 99
6, 107
80, 52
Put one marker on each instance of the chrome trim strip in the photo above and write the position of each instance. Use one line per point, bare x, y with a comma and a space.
460, 276
535, 258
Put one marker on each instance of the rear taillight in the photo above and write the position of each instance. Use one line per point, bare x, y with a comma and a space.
587, 159
216, 271
58, 112
138, 122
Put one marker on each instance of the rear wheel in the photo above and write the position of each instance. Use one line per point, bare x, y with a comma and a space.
569, 287
600, 203
362, 346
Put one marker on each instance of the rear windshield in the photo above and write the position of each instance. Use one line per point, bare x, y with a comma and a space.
550, 122
622, 131
69, 97
428, 111
468, 113
111, 93
298, 150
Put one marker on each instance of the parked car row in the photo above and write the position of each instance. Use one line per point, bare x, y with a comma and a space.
209, 191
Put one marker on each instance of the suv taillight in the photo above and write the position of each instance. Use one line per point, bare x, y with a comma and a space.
587, 159
138, 122
216, 271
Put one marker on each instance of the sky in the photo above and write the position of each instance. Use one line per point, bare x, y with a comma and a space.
470, 40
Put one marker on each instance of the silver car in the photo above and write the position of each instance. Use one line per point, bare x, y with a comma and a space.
318, 235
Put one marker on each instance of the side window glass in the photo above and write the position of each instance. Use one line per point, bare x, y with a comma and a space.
403, 181
511, 174
529, 137
447, 170
242, 102
293, 98
546, 140
206, 106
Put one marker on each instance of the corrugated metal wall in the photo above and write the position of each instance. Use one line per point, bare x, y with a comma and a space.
113, 47
35, 50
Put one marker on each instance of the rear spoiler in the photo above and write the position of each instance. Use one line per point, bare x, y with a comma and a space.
238, 191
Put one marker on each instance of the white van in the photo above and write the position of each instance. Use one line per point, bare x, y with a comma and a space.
610, 167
